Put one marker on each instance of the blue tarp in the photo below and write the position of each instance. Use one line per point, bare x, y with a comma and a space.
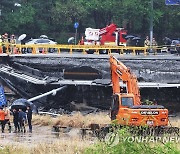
172, 2
2, 96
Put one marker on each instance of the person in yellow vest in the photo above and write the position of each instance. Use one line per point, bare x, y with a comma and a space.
13, 43
13, 39
154, 45
5, 43
1, 41
6, 38
147, 43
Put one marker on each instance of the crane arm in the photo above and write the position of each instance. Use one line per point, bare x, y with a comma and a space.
119, 72
109, 29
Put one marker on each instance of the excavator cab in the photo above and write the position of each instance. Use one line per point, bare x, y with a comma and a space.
121, 101
126, 112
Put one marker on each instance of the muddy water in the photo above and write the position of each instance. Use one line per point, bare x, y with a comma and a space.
40, 134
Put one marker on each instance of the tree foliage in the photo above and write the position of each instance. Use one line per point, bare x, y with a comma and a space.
54, 17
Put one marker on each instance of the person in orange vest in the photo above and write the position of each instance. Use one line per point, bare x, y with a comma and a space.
7, 118
2, 118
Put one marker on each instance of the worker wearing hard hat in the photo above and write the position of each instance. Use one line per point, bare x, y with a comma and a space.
13, 42
147, 43
13, 39
5, 42
154, 45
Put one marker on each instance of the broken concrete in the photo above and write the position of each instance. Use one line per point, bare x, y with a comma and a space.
161, 69
149, 69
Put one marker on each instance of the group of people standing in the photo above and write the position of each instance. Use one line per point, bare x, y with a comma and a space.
19, 119
152, 45
147, 42
7, 42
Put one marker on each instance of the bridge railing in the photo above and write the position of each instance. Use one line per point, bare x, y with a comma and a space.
97, 49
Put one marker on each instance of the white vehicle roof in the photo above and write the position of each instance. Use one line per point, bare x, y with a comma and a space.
41, 41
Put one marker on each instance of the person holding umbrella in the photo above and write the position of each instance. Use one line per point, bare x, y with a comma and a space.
15, 120
137, 44
22, 119
29, 118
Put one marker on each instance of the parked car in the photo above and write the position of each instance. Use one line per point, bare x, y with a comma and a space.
171, 45
175, 44
41, 41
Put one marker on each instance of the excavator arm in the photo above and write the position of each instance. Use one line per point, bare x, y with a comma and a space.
119, 72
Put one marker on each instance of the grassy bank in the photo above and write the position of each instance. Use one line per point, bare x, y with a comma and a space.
133, 148
77, 120
122, 142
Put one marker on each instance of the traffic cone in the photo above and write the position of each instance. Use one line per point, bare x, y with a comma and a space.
15, 50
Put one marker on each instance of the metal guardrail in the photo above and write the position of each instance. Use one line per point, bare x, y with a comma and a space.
34, 49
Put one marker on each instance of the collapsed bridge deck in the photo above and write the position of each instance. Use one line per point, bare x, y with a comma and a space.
31, 75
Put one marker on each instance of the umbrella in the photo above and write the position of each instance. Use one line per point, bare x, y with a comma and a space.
129, 36
70, 39
21, 37
21, 104
136, 38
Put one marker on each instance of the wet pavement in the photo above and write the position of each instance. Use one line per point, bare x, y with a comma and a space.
39, 134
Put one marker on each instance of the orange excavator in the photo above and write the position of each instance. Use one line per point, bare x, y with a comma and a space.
127, 108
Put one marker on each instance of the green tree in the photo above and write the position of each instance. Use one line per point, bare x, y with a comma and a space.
56, 18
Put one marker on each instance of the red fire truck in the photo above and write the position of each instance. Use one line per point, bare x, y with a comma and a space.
110, 35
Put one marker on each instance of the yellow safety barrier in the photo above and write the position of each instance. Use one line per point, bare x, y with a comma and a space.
97, 49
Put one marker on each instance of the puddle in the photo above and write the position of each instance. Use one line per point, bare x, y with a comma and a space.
40, 134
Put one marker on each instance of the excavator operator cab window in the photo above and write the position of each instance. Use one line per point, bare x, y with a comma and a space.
127, 101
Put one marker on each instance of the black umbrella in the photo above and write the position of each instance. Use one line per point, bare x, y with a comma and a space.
129, 36
21, 104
